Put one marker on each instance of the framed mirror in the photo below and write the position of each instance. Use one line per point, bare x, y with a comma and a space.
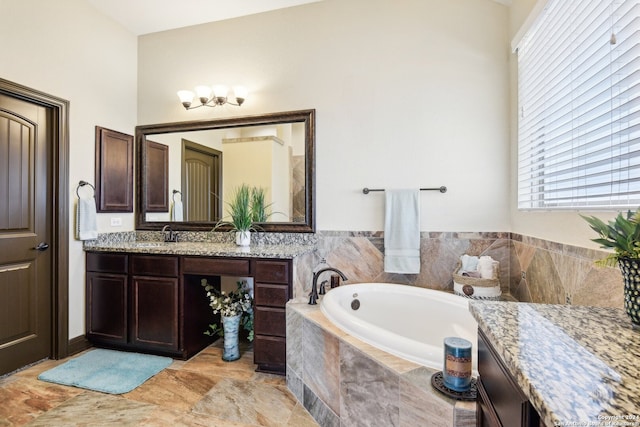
207, 160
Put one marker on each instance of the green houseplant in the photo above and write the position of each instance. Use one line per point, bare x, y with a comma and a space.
622, 235
247, 208
241, 215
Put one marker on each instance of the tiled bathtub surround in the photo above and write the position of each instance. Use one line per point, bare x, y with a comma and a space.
554, 272
344, 382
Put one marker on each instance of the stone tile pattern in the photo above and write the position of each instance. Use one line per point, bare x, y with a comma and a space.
203, 391
197, 248
344, 382
554, 273
576, 364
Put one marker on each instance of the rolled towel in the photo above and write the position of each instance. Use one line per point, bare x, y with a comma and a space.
469, 263
485, 267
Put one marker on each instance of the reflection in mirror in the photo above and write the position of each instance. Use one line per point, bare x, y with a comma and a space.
208, 160
206, 167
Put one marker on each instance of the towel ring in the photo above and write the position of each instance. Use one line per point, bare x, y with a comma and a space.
82, 184
173, 197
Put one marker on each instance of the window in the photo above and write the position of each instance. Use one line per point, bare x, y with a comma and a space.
579, 106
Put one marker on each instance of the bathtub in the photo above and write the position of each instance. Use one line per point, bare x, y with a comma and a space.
406, 321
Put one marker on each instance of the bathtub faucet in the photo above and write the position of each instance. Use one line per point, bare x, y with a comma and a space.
313, 296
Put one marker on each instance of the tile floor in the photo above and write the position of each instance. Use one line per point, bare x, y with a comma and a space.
202, 391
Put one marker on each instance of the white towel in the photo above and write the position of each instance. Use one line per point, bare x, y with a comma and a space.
486, 267
402, 231
86, 219
177, 211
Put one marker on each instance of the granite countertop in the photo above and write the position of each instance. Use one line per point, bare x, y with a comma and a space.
286, 251
578, 365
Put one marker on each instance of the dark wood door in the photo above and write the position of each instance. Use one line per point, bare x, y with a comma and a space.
154, 306
201, 182
25, 224
107, 307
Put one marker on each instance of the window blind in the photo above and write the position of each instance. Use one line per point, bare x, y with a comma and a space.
579, 106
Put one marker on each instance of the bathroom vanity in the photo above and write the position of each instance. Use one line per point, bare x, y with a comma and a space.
148, 297
553, 365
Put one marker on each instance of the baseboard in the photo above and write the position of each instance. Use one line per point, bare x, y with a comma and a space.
78, 344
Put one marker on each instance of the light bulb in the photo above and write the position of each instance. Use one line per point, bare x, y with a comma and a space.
220, 91
186, 97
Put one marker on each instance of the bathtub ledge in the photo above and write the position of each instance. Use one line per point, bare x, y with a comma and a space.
338, 381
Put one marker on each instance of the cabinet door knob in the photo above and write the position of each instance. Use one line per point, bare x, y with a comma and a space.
42, 246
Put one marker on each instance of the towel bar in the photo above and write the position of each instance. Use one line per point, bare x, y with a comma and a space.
442, 189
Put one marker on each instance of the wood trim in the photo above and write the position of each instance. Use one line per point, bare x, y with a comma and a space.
59, 109
78, 344
114, 171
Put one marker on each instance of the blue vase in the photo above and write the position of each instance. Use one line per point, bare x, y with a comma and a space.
231, 327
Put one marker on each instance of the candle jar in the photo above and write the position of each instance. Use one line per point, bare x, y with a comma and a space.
456, 373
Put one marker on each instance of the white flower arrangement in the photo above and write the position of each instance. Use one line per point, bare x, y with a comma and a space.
229, 305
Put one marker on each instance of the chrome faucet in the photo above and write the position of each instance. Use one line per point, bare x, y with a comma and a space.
313, 296
169, 234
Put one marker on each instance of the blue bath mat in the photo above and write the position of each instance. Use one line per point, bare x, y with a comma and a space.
108, 371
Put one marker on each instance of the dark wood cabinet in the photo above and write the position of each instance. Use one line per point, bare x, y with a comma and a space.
107, 296
501, 401
272, 289
156, 304
144, 307
154, 312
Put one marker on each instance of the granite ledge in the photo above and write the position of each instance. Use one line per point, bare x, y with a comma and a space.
200, 249
576, 364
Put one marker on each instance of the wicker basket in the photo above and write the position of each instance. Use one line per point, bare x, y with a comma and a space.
476, 287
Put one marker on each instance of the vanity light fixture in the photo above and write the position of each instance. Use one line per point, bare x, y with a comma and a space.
212, 96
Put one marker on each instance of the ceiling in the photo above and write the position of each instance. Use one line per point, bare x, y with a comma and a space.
150, 16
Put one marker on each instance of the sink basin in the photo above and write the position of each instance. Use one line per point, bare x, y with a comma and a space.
147, 244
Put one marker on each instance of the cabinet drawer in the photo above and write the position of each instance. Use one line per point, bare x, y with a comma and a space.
272, 271
269, 350
153, 265
270, 321
271, 294
215, 266
106, 262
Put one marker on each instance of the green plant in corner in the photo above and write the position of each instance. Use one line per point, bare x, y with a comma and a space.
621, 234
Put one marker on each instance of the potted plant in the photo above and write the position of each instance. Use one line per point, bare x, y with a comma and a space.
241, 215
236, 310
622, 235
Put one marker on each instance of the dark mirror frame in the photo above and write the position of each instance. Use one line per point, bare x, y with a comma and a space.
301, 116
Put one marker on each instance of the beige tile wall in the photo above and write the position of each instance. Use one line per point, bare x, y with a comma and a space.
553, 273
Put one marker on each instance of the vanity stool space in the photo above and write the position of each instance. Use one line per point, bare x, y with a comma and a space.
154, 302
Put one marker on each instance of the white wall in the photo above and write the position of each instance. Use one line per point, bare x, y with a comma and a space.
558, 226
69, 50
408, 94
